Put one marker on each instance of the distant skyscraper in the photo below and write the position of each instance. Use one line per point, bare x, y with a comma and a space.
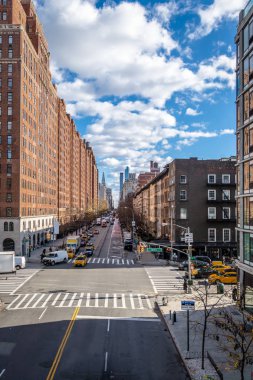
103, 179
121, 181
127, 173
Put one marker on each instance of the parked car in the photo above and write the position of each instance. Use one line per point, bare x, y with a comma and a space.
55, 258
90, 246
224, 278
80, 261
96, 231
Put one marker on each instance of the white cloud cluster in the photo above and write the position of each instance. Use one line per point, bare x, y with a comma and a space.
214, 14
124, 72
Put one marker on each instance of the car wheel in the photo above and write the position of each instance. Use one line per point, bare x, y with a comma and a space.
53, 263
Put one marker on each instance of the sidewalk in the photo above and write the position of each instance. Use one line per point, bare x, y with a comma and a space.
192, 359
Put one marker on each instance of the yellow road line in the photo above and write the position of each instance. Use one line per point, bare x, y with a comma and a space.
59, 353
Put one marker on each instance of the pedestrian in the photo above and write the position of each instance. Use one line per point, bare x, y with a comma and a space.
234, 294
185, 284
50, 249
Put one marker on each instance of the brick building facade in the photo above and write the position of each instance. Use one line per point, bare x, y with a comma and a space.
47, 171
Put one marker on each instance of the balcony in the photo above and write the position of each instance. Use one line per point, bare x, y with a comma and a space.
220, 183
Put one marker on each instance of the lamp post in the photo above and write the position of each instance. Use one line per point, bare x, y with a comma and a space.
188, 239
133, 222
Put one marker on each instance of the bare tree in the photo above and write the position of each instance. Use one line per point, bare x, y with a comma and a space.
206, 299
235, 329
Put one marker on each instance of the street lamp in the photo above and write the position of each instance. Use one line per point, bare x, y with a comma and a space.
188, 239
133, 221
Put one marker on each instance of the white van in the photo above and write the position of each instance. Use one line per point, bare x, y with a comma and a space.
19, 262
53, 258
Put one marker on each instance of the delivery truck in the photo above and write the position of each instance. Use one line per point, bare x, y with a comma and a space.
73, 244
7, 262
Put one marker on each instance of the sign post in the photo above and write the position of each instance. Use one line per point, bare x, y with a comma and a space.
188, 305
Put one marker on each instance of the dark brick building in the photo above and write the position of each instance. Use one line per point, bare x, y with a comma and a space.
199, 194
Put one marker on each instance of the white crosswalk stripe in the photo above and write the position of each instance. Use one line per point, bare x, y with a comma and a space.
165, 280
83, 300
97, 260
10, 283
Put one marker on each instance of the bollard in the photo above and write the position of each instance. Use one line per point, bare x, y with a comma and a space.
174, 317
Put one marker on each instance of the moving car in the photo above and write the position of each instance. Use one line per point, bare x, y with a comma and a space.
229, 277
90, 246
128, 244
80, 261
221, 268
19, 262
55, 258
88, 251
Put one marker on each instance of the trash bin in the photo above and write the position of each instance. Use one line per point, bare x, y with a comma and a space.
220, 288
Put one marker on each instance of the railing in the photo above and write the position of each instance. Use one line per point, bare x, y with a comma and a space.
248, 8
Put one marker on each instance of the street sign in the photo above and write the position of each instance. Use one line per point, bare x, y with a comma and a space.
133, 223
154, 249
187, 305
188, 237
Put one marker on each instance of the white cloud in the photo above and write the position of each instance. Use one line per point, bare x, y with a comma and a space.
227, 131
192, 112
212, 16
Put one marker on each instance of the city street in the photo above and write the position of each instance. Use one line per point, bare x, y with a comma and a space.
96, 322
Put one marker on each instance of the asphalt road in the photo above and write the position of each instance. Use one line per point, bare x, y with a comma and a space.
91, 323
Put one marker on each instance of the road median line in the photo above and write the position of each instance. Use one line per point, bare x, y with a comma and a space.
59, 353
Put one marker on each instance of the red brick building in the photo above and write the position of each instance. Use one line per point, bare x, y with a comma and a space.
47, 171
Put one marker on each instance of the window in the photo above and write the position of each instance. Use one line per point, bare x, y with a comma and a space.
5, 2
11, 226
226, 234
8, 183
9, 125
246, 106
9, 197
9, 111
211, 195
211, 178
6, 226
245, 38
1, 53
183, 213
9, 169
183, 179
10, 83
10, 97
1, 39
211, 212
9, 154
225, 178
211, 234
4, 16
10, 53
8, 211
24, 226
9, 140
10, 39
226, 195
225, 212
10, 68
183, 195
246, 71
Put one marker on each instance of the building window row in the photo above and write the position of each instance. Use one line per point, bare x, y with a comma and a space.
8, 226
225, 195
226, 213
225, 178
226, 235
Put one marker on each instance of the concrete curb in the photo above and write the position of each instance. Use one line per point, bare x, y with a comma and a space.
174, 340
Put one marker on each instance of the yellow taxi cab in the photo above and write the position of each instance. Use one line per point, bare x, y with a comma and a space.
221, 268
71, 253
229, 277
80, 261
90, 246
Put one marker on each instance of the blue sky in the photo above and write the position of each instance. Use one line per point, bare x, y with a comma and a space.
146, 80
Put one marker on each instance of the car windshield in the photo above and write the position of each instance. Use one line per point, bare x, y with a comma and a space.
52, 255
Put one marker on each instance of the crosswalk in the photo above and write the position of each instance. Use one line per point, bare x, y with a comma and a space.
85, 300
10, 283
108, 261
165, 280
